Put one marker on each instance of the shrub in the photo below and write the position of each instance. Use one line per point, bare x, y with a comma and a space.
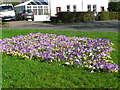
114, 6
118, 15
103, 16
76, 16
53, 19
107, 15
113, 15
67, 16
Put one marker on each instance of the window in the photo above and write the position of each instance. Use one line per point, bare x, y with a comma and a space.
40, 10
29, 8
102, 8
74, 8
58, 9
89, 7
68, 8
6, 8
35, 10
94, 7
45, 10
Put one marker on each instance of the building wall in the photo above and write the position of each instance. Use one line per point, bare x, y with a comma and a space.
99, 3
81, 5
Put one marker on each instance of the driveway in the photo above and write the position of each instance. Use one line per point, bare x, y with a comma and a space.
103, 26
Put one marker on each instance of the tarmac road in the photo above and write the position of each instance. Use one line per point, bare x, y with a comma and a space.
102, 26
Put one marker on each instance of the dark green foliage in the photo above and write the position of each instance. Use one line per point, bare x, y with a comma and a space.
114, 6
108, 16
118, 15
13, 3
76, 16
103, 16
113, 15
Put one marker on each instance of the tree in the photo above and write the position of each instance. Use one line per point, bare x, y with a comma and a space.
114, 6
13, 2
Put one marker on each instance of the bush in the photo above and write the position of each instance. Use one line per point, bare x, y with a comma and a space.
67, 16
114, 6
107, 15
103, 16
85, 16
113, 15
53, 19
76, 16
118, 15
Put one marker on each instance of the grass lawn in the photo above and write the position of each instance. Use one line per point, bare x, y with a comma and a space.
3, 23
18, 73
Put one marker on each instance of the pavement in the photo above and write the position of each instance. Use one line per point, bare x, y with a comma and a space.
102, 26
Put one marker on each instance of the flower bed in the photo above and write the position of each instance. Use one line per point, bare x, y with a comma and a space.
93, 54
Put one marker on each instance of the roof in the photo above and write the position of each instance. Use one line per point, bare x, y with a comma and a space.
33, 2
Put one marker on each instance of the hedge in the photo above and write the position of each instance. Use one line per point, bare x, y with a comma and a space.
108, 15
76, 16
85, 16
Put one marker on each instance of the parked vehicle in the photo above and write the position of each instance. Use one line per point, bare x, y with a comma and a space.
25, 15
7, 12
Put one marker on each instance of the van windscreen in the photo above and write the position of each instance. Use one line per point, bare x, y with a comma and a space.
6, 8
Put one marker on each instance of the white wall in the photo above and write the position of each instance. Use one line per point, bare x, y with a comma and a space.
99, 3
63, 4
41, 18
81, 5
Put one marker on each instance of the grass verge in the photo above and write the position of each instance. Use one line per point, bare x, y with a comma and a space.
19, 73
3, 23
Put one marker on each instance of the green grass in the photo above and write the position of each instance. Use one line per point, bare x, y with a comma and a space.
18, 73
3, 23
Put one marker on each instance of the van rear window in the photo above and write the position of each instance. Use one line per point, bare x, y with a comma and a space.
6, 8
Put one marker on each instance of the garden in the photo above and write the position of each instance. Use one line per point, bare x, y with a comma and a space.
59, 59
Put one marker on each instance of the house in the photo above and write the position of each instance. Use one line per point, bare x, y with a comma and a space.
39, 7
77, 6
43, 9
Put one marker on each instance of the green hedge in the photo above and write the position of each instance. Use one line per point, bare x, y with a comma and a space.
108, 15
86, 16
103, 16
118, 15
113, 15
76, 16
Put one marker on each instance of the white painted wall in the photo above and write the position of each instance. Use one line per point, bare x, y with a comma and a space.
81, 5
99, 3
41, 18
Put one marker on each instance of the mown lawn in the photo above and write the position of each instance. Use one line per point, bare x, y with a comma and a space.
18, 73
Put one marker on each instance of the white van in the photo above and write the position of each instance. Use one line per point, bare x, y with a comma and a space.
7, 12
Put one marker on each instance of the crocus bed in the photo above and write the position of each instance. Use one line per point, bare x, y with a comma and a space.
93, 54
